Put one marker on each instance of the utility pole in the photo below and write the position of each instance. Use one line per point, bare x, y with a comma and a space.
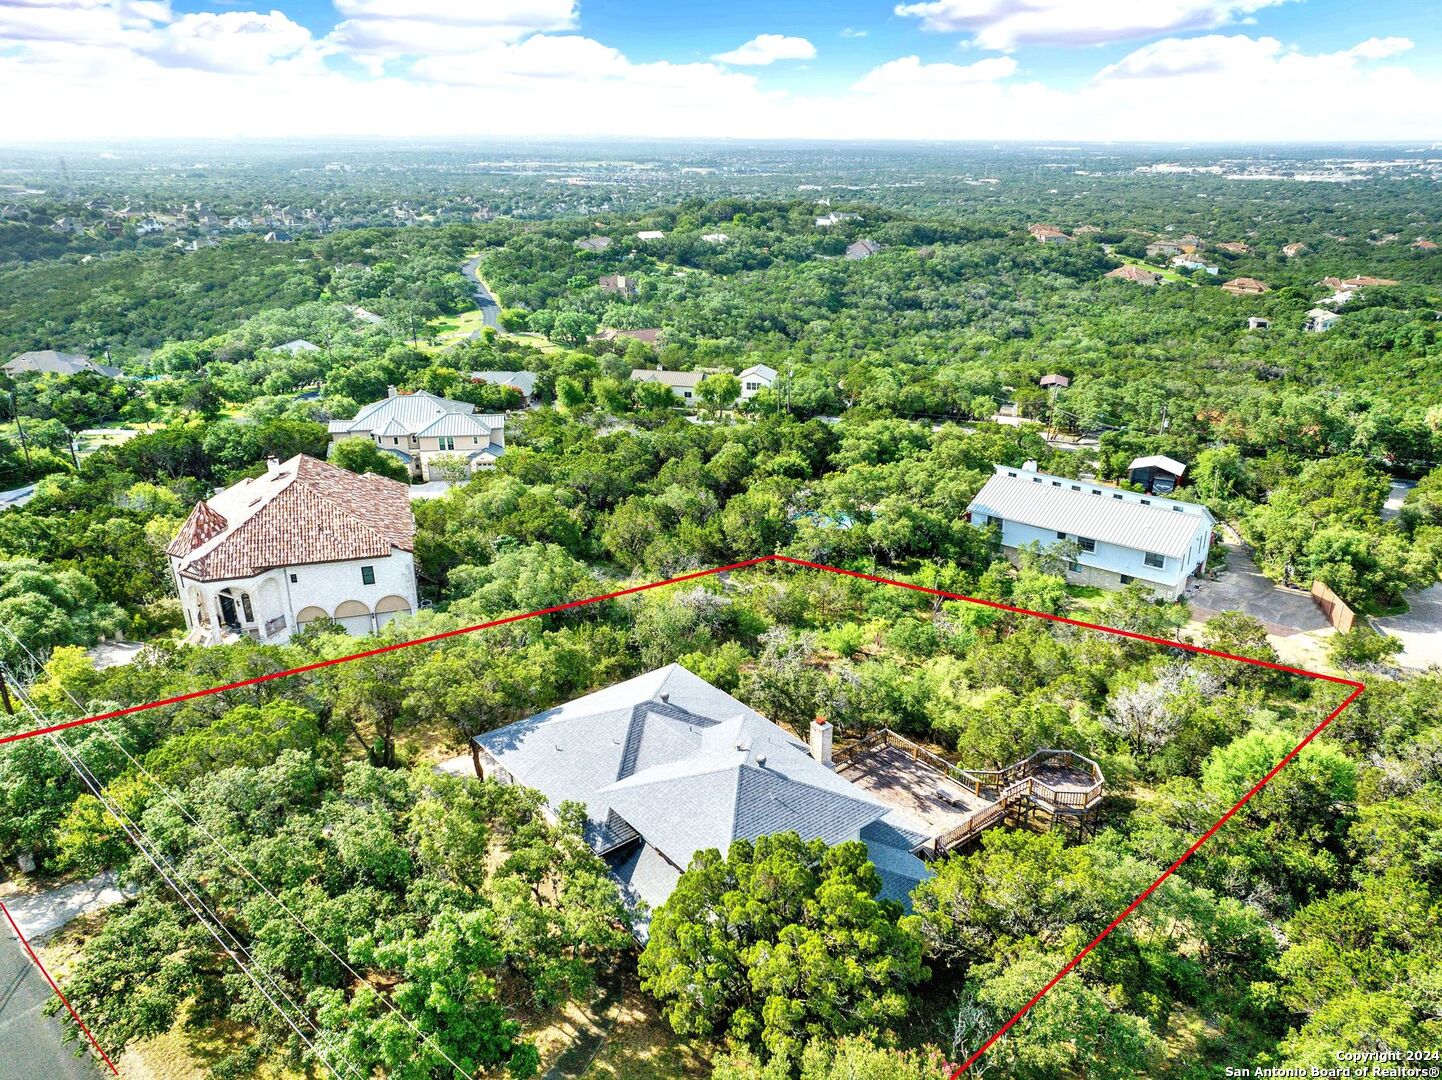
24, 444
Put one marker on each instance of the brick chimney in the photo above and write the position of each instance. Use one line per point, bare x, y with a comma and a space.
820, 738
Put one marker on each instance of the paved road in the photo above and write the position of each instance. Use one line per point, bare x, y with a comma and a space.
490, 310
1243, 587
1420, 630
32, 1046
17, 497
43, 913
1393, 506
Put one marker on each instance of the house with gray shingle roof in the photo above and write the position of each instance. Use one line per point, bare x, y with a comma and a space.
667, 765
51, 362
523, 382
418, 427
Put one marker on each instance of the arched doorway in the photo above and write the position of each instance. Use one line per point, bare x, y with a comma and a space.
309, 615
389, 607
354, 616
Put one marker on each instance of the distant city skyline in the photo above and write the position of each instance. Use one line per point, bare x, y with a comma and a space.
1077, 70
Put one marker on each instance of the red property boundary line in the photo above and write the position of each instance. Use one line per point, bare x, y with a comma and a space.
1356, 690
63, 999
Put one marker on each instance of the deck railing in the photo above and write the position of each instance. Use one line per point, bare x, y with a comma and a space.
1010, 787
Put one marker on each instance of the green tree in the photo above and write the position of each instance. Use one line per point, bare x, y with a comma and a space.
779, 942
360, 455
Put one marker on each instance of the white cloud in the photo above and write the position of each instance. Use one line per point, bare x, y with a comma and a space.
767, 49
234, 41
1256, 60
1207, 55
539, 57
853, 32
1007, 24
379, 29
120, 73
1380, 48
910, 74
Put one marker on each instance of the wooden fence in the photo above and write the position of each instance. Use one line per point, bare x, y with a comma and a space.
1334, 607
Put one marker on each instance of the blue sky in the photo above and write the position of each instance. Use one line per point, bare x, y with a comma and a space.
1101, 69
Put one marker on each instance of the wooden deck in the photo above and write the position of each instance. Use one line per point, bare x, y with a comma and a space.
955, 805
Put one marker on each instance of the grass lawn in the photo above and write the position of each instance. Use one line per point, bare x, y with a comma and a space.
450, 329
1167, 273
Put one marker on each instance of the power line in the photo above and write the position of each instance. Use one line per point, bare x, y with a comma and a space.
240, 864
188, 895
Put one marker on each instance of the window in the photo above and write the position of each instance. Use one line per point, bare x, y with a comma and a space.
446, 442
1155, 560
293, 579
1146, 502
245, 607
1056, 483
1087, 543
475, 440
368, 575
1061, 536
998, 522
753, 386
1011, 474
1076, 487
1074, 567
1118, 495
1036, 479
395, 440
1127, 579
686, 394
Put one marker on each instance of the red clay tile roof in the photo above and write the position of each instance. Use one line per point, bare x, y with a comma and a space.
300, 512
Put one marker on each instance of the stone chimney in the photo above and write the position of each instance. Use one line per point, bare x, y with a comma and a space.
390, 391
820, 738
1028, 466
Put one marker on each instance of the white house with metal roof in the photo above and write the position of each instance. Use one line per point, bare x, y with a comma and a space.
756, 378
418, 427
1120, 536
667, 765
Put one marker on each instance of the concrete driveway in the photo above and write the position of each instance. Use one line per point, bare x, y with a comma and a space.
1420, 630
42, 913
1243, 587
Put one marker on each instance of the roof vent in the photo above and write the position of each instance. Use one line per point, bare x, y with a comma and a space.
664, 696
761, 761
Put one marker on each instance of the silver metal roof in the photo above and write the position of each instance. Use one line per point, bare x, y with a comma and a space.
1105, 514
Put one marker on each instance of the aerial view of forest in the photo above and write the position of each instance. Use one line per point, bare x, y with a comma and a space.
700, 356
670, 540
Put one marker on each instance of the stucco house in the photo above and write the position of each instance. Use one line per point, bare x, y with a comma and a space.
1120, 536
416, 428
304, 541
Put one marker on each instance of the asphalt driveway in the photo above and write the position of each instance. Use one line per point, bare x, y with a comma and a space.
1243, 587
1420, 630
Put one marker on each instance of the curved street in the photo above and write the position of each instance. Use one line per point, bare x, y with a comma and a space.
490, 310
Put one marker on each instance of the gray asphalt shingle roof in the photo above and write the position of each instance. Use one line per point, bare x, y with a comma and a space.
688, 767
